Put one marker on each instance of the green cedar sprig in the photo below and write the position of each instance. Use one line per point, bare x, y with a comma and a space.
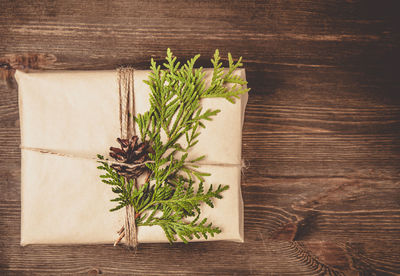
168, 198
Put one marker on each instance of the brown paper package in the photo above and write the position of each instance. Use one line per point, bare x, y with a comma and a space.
76, 114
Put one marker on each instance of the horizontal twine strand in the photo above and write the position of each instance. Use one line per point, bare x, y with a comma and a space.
110, 162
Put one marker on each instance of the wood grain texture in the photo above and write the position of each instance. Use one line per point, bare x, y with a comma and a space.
321, 137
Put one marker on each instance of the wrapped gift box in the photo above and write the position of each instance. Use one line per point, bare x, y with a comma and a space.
76, 114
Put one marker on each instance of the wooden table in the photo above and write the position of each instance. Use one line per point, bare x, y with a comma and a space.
321, 136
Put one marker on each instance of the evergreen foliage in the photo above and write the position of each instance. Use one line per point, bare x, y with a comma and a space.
168, 198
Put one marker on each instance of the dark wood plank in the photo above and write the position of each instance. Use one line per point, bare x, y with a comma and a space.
321, 137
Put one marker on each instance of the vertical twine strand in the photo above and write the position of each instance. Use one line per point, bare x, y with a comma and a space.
126, 112
126, 106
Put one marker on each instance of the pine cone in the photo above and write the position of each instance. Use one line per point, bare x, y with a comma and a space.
130, 153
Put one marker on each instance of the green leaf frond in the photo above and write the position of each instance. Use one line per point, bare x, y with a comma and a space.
225, 85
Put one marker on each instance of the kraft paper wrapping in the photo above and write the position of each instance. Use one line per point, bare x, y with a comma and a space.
77, 113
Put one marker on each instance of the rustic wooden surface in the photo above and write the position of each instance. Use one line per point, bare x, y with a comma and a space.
321, 137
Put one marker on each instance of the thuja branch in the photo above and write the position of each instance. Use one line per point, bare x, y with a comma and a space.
168, 198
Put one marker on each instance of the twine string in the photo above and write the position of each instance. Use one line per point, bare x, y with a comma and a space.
126, 76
